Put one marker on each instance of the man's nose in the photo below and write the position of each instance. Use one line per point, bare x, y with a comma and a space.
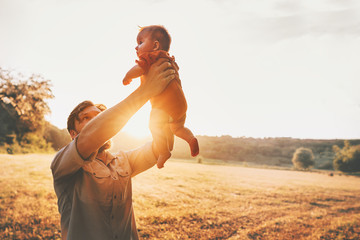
136, 48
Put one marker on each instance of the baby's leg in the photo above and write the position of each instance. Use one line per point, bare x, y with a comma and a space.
162, 159
158, 123
169, 136
182, 132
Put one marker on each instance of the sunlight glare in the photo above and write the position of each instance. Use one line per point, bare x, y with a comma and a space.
138, 125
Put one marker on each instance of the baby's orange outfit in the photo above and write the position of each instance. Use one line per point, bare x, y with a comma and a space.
172, 99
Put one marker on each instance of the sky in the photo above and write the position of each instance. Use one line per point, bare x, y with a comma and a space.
259, 68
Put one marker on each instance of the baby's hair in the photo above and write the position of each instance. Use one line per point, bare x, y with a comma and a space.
160, 34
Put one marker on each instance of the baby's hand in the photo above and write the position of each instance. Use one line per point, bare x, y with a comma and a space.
126, 81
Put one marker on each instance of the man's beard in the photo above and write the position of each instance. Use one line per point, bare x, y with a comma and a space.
104, 147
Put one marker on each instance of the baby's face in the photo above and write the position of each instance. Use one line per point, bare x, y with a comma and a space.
145, 43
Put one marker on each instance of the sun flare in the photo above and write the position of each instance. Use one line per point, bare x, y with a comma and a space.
138, 125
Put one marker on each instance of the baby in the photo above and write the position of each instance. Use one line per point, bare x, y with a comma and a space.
168, 112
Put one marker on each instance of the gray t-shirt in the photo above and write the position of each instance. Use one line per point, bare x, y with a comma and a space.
95, 198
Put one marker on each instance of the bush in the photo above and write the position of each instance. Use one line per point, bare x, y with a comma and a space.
326, 166
347, 159
29, 143
303, 158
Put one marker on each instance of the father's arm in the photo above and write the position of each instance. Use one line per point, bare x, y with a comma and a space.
107, 124
67, 161
142, 158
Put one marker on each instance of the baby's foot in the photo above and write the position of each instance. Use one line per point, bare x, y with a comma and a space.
194, 146
162, 159
126, 81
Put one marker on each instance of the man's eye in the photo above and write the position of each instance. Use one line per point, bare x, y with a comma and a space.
84, 118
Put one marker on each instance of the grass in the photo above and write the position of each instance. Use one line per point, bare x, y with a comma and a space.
195, 201
28, 207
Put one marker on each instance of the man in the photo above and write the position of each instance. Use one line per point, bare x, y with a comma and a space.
92, 185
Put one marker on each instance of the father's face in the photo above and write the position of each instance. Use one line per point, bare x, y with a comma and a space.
84, 117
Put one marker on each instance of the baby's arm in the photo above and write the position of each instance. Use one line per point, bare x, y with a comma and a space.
134, 72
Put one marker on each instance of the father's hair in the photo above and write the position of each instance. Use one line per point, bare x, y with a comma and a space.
74, 115
159, 33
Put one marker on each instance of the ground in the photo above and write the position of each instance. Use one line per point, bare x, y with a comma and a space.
187, 200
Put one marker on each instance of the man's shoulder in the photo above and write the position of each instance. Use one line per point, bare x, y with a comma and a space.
62, 152
59, 153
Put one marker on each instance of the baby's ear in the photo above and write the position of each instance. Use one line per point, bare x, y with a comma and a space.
156, 45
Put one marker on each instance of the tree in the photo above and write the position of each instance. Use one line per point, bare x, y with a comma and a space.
22, 100
57, 137
303, 158
347, 159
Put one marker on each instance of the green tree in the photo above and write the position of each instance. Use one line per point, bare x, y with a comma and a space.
23, 101
347, 159
303, 158
58, 138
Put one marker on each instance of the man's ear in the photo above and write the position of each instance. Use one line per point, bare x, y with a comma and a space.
156, 45
73, 134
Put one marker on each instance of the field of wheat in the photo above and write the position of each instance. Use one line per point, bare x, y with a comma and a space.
186, 200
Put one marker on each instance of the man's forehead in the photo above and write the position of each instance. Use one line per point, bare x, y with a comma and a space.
90, 109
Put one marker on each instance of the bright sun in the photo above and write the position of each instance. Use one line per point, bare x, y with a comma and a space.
138, 125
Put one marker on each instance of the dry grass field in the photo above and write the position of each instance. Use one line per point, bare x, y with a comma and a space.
195, 201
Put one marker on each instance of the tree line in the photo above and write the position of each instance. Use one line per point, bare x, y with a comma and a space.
271, 151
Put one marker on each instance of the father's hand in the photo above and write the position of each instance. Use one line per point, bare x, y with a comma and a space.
160, 74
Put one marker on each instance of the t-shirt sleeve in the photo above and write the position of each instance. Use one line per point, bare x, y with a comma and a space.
68, 161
